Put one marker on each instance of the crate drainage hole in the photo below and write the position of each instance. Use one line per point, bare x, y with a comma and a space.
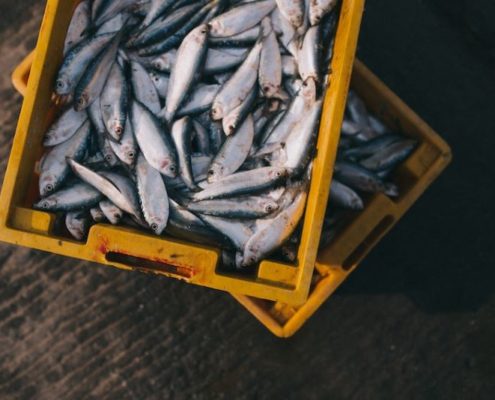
364, 246
150, 266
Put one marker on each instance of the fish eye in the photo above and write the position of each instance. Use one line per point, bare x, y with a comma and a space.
172, 168
211, 172
44, 204
154, 226
60, 84
269, 208
278, 174
131, 154
49, 187
118, 130
116, 215
109, 158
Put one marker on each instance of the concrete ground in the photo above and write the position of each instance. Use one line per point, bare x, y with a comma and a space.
415, 321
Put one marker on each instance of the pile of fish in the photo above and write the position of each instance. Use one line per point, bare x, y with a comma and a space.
194, 118
367, 157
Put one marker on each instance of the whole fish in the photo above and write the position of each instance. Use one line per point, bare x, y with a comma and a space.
242, 183
390, 156
189, 58
233, 153
54, 168
153, 196
75, 196
238, 87
153, 140
248, 207
241, 18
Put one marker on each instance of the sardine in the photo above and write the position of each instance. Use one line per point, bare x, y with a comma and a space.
189, 58
233, 153
153, 141
153, 196
54, 168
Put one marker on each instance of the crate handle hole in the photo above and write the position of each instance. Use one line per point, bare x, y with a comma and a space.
362, 249
149, 266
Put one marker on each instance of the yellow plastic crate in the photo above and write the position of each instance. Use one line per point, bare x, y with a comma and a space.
130, 249
367, 228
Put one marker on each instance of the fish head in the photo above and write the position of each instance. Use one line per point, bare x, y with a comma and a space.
47, 185
62, 85
216, 26
215, 172
46, 204
246, 259
216, 111
82, 102
158, 225
279, 173
169, 168
269, 206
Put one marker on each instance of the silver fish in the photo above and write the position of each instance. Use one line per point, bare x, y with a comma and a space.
64, 127
189, 58
238, 87
233, 152
96, 214
319, 8
242, 183
77, 60
81, 19
181, 135
358, 177
126, 150
308, 62
161, 82
238, 231
231, 122
390, 156
343, 196
270, 73
94, 78
111, 212
272, 233
144, 88
300, 140
153, 196
292, 10
199, 100
105, 186
73, 197
241, 18
153, 140
248, 207
54, 168
77, 223
113, 103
